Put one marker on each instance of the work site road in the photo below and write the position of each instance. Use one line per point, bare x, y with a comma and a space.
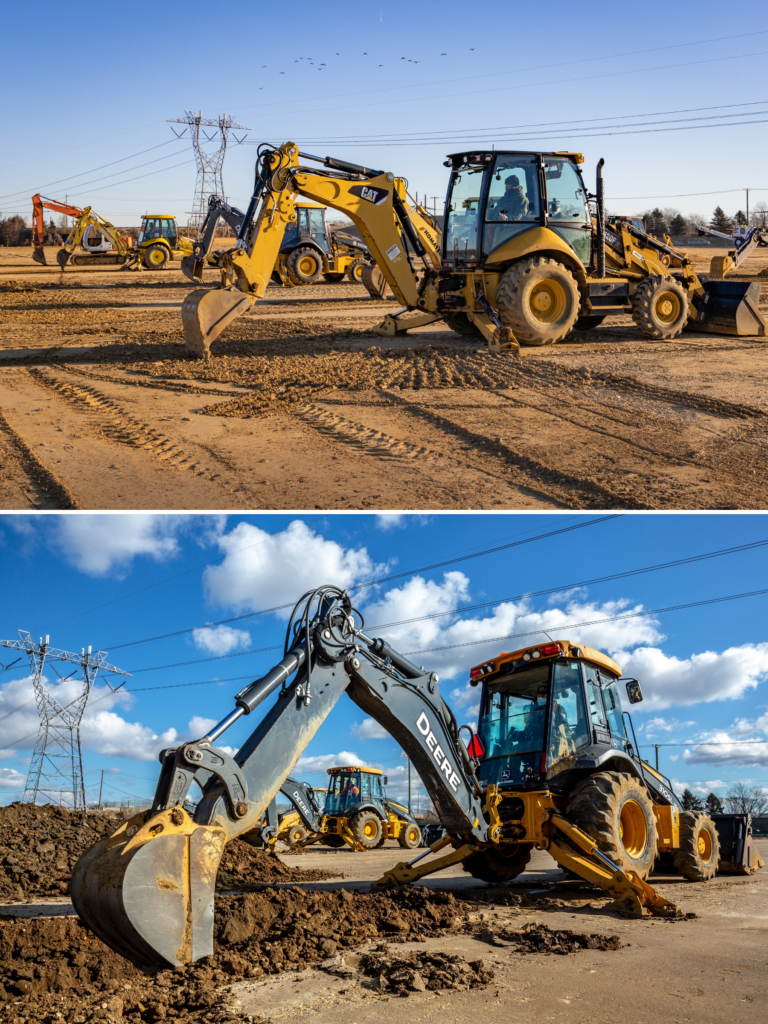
303, 406
707, 970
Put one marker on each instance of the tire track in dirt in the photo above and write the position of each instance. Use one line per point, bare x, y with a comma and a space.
120, 428
58, 494
180, 387
551, 485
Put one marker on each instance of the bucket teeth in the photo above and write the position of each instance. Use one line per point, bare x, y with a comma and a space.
205, 313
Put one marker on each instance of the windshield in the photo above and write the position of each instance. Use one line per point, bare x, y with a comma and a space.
343, 791
461, 226
513, 200
512, 724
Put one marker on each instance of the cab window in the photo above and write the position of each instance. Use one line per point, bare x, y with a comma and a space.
612, 703
365, 787
568, 730
595, 697
169, 228
152, 228
317, 228
513, 200
462, 211
566, 198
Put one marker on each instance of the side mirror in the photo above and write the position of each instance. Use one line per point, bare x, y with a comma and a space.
634, 693
384, 780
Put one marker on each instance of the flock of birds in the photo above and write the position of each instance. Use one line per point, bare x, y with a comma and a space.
320, 67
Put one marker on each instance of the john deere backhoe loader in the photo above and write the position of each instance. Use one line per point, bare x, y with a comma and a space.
559, 783
521, 259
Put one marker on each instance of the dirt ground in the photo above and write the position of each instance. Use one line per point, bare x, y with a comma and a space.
302, 406
332, 952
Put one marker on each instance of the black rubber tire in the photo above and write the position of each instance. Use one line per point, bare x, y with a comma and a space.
366, 828
153, 251
296, 265
461, 324
383, 838
538, 279
698, 855
588, 323
648, 307
355, 270
334, 841
494, 866
410, 837
333, 278
596, 806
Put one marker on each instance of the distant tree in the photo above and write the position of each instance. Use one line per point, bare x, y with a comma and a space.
714, 805
678, 225
742, 799
12, 230
691, 802
759, 218
740, 218
719, 220
655, 223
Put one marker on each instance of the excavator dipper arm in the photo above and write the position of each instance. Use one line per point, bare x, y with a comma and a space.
75, 237
192, 266
39, 203
375, 202
148, 890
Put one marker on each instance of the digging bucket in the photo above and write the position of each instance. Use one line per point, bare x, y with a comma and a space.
731, 307
738, 853
62, 258
192, 268
206, 312
148, 890
39, 257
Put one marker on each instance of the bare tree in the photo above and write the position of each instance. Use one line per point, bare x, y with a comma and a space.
742, 799
759, 215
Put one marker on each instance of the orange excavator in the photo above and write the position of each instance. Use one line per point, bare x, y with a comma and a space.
100, 239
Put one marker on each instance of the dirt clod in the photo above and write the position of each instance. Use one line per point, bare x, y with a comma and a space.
537, 938
433, 971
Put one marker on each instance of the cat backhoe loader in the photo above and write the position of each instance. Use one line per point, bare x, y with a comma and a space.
521, 259
544, 772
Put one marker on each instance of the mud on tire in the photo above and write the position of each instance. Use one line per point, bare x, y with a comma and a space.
539, 300
495, 867
660, 307
615, 810
461, 324
699, 853
355, 270
366, 827
295, 835
410, 837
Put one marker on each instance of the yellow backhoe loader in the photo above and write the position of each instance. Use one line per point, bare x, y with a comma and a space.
310, 250
158, 243
521, 259
554, 766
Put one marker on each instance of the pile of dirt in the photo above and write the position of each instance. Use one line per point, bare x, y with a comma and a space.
52, 966
402, 974
537, 938
39, 847
243, 864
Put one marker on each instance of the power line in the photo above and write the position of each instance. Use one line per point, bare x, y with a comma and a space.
373, 583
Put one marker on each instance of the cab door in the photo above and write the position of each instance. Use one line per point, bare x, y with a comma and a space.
567, 208
595, 706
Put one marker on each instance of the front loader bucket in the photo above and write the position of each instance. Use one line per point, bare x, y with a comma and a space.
39, 256
738, 853
206, 312
148, 890
731, 307
62, 257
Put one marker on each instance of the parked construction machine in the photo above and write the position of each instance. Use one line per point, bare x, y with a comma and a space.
552, 767
101, 242
521, 259
356, 813
744, 241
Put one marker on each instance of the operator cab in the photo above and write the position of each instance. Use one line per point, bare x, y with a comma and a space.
494, 197
158, 227
351, 786
94, 241
541, 705
308, 228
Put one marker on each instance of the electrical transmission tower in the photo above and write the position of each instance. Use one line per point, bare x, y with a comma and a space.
57, 763
209, 164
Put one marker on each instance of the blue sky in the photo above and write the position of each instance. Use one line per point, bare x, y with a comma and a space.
111, 580
88, 94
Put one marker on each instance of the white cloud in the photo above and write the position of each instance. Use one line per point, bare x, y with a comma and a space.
99, 544
656, 725
261, 569
390, 520
220, 639
368, 729
721, 748
322, 762
701, 678
11, 779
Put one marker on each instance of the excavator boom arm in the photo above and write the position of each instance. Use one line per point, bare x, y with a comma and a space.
148, 890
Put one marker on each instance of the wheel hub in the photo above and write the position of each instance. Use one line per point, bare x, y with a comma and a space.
667, 307
548, 301
633, 829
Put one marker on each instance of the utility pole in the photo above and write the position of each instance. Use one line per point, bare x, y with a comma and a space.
409, 785
656, 748
434, 205
101, 787
747, 190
